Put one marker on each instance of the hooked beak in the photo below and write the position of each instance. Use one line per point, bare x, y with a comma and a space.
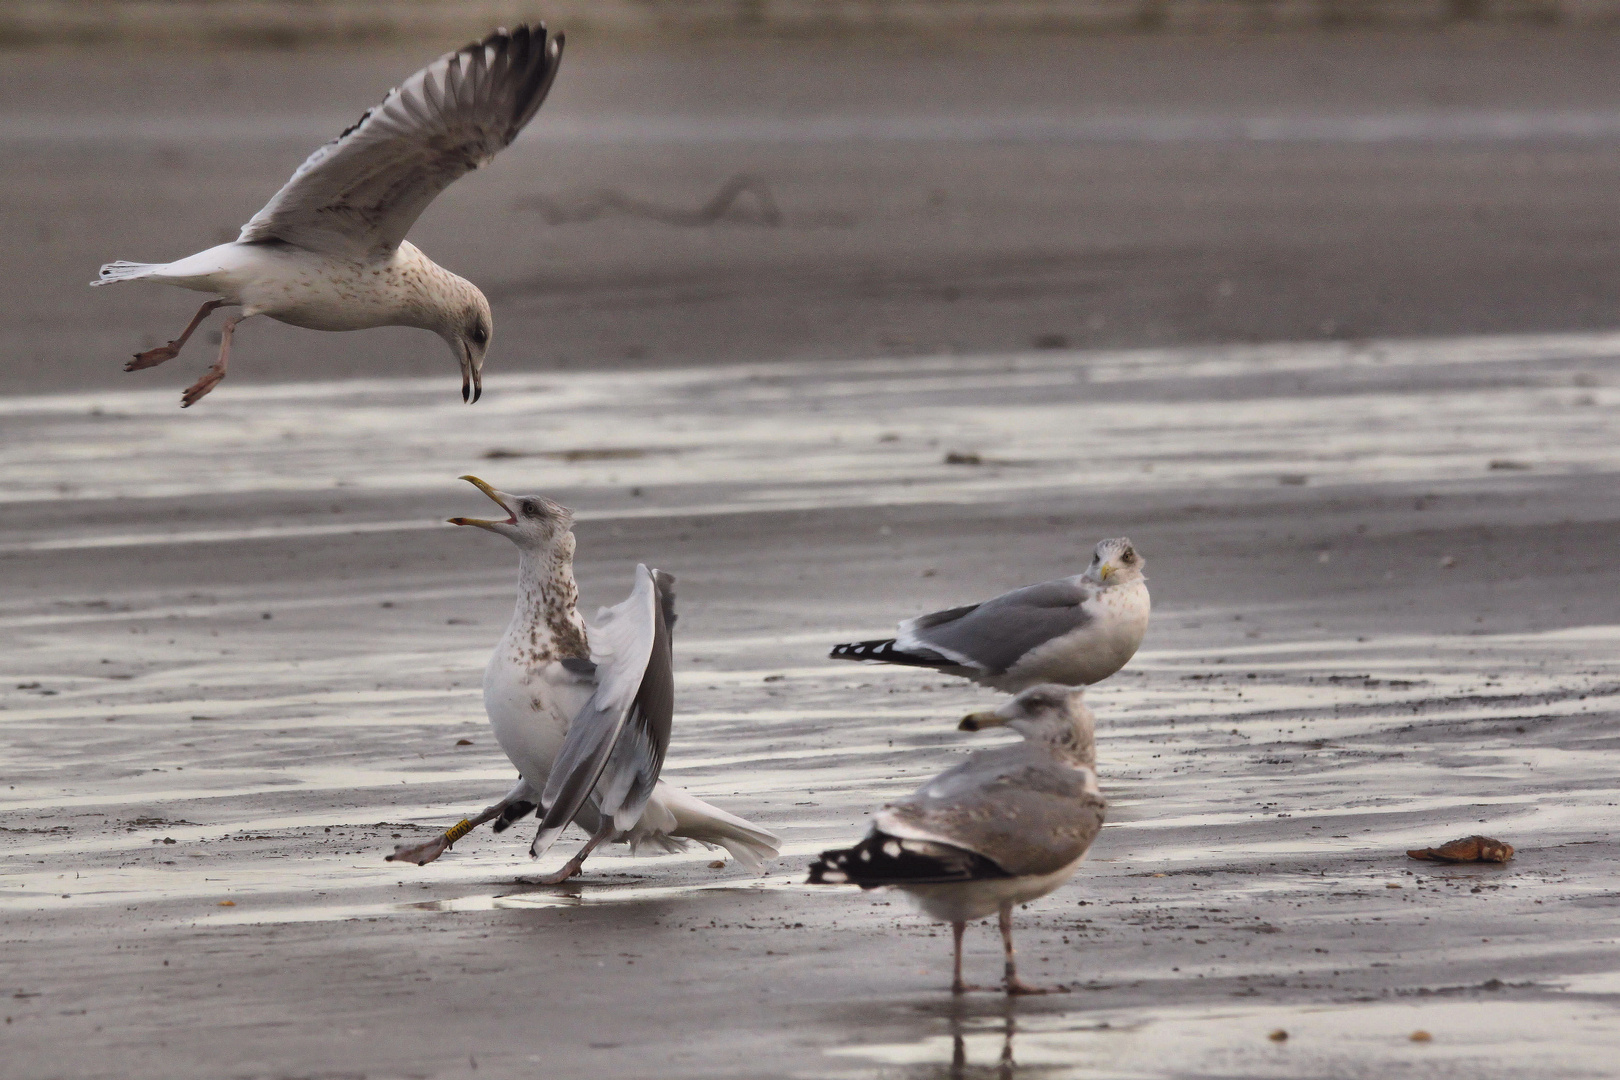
501, 499
472, 382
979, 720
1106, 571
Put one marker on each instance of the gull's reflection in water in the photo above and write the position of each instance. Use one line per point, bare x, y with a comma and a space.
982, 1048
962, 1069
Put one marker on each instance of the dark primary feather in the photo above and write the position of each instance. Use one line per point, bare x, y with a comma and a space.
1036, 815
357, 196
881, 859
629, 753
883, 649
514, 813
998, 633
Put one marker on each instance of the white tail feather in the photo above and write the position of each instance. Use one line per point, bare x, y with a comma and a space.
672, 815
126, 271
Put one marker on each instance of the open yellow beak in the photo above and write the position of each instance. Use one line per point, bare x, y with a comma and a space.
498, 497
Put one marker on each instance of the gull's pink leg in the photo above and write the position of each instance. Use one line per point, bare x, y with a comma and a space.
572, 866
154, 357
957, 985
1015, 985
199, 389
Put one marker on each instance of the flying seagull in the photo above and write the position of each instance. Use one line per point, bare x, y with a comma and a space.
1075, 630
585, 715
1005, 827
328, 252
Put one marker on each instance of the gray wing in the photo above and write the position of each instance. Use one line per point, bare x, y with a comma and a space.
995, 635
615, 745
1015, 806
357, 196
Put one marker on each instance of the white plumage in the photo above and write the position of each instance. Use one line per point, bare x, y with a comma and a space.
328, 251
1074, 631
585, 715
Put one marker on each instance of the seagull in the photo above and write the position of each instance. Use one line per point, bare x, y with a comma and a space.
1004, 827
328, 252
1075, 630
585, 715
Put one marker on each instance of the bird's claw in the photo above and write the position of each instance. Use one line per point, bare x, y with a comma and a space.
199, 389
1017, 987
153, 357
572, 869
420, 854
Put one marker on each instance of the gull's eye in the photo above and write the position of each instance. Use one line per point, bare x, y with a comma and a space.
479, 335
1128, 558
531, 509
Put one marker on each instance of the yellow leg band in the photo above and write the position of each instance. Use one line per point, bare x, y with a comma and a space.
457, 831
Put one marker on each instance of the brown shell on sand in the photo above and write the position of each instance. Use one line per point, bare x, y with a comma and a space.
1468, 849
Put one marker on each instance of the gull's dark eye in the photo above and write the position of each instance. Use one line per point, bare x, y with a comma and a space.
531, 509
1128, 558
478, 334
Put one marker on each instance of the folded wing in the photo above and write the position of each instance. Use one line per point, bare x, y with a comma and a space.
357, 196
995, 635
614, 749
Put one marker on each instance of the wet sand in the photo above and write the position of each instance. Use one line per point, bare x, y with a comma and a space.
971, 195
1384, 579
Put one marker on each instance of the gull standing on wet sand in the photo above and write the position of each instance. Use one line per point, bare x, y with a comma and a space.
1075, 630
585, 715
1005, 827
328, 252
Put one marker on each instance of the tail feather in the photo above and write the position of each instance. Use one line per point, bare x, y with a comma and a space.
126, 271
672, 814
885, 651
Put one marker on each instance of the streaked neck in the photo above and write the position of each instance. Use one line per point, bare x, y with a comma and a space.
546, 624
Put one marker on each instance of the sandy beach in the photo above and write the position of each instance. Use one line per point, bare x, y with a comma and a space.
240, 650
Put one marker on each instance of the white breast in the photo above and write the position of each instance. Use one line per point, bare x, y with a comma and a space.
529, 710
1096, 650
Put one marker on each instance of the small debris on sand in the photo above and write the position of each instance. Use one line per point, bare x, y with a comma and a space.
1278, 1036
1421, 1036
1468, 849
958, 457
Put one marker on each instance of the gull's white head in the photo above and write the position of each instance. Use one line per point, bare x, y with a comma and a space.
467, 330
534, 523
1049, 713
1115, 562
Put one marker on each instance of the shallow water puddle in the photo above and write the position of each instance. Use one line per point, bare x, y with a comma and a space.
1375, 1041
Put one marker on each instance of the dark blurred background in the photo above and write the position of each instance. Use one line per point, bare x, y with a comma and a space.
727, 182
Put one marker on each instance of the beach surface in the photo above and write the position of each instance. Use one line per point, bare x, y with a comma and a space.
1323, 324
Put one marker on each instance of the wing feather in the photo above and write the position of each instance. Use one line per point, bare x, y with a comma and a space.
357, 196
614, 749
995, 635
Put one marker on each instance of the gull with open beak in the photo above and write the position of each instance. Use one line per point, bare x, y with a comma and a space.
584, 714
1004, 827
1075, 630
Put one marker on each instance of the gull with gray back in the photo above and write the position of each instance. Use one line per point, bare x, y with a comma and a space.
1075, 630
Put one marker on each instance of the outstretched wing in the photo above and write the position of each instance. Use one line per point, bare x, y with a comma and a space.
357, 196
615, 746
995, 635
